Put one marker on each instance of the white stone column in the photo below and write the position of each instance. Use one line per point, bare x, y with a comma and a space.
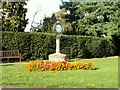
57, 56
58, 45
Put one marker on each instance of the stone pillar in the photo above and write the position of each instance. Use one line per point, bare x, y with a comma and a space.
58, 30
57, 45
56, 57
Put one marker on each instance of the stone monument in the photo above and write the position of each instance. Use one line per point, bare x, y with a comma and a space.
58, 30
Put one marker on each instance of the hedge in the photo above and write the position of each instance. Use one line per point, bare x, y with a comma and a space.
40, 45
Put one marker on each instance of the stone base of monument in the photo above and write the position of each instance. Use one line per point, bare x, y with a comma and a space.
56, 57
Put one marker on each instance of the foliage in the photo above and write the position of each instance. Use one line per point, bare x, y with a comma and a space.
47, 25
13, 16
116, 42
17, 41
40, 45
93, 18
43, 66
100, 19
67, 27
71, 16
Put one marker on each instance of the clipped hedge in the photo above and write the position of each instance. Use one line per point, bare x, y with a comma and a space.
86, 46
40, 45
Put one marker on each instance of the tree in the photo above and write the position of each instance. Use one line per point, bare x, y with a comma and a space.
13, 16
47, 25
72, 16
100, 18
93, 18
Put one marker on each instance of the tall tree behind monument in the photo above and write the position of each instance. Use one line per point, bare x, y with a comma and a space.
93, 18
72, 16
13, 16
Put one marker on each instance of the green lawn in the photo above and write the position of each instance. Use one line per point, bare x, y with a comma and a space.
106, 76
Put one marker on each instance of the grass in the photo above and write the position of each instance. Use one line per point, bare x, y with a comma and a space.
106, 76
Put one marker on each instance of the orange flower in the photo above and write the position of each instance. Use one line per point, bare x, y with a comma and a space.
40, 65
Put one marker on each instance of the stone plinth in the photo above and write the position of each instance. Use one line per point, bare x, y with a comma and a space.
57, 57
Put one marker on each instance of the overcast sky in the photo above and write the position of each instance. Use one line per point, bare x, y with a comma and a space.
46, 7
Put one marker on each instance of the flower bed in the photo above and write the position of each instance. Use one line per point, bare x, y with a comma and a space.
40, 65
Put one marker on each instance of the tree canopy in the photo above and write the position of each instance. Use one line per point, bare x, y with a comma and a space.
99, 19
13, 16
93, 18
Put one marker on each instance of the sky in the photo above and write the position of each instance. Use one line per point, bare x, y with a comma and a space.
44, 8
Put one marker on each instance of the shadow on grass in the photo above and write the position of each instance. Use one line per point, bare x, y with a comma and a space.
7, 64
97, 68
74, 60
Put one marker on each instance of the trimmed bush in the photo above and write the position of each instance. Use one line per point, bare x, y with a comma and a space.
40, 45
86, 46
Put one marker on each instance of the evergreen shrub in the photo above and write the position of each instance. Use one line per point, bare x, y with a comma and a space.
40, 45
